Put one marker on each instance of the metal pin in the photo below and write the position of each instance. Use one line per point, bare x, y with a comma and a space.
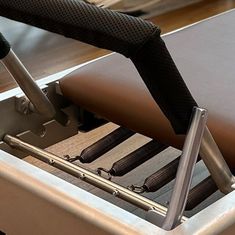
51, 161
115, 193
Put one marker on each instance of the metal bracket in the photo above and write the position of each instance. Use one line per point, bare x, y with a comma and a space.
24, 106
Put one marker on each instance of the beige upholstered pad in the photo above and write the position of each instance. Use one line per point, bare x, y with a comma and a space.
205, 56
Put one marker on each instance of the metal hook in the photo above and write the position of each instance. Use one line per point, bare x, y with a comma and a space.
101, 169
71, 159
136, 188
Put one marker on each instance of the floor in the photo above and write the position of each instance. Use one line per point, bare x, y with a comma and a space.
44, 54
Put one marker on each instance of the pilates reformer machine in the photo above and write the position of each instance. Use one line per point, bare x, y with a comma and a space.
143, 94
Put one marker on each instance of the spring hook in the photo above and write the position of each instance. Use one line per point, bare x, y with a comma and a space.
101, 171
136, 188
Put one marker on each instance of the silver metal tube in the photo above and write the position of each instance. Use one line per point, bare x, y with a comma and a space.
216, 164
87, 176
185, 169
28, 85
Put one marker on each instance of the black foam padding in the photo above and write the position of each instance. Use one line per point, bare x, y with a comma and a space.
133, 37
4, 47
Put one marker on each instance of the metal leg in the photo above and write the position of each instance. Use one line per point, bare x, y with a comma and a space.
185, 169
23, 78
216, 164
198, 136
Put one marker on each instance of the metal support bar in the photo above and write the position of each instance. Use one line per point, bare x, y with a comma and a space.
87, 176
185, 170
23, 78
216, 164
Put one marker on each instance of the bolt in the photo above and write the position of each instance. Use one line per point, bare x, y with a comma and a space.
115, 193
82, 176
51, 161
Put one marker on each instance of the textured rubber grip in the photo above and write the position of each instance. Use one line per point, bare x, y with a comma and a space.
133, 37
4, 47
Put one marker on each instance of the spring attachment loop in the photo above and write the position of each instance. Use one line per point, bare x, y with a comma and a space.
136, 189
104, 173
70, 159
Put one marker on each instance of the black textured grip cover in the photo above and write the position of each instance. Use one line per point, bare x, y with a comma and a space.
4, 47
133, 37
